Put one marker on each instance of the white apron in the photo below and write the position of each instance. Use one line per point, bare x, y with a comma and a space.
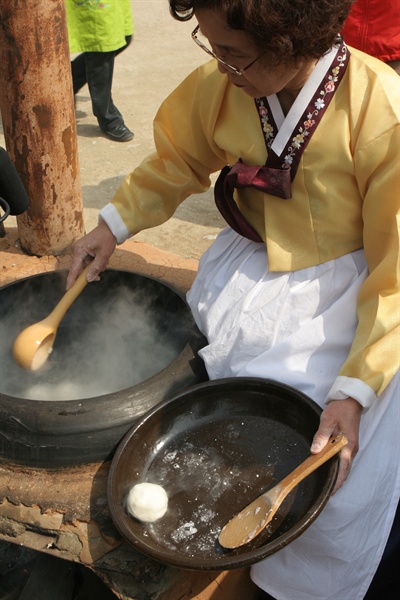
297, 328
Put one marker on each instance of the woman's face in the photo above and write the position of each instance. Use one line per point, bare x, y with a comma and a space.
235, 48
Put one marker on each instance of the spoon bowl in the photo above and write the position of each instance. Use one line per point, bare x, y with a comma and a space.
33, 345
253, 519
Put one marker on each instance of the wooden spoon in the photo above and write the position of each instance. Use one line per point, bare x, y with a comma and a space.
247, 524
33, 345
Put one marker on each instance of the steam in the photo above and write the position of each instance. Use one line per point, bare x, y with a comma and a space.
113, 345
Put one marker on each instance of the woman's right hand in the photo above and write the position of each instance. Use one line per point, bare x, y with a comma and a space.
98, 245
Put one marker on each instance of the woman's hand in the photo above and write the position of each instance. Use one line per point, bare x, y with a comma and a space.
340, 416
98, 245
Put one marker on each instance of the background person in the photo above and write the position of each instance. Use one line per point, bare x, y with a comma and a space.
100, 31
373, 26
302, 286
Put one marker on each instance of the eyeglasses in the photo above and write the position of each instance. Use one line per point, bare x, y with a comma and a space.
211, 53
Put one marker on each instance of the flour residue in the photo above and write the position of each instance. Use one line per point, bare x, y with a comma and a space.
200, 482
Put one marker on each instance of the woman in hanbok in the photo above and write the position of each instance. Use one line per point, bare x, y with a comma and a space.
302, 285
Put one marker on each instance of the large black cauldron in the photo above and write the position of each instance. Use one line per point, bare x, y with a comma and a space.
129, 372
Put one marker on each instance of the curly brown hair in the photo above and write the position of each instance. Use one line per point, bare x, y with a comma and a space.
284, 29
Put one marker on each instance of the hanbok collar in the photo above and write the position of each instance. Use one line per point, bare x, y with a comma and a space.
302, 102
287, 137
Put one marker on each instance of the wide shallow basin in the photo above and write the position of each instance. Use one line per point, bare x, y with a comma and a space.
214, 448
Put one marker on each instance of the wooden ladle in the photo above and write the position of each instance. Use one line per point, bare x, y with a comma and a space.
33, 345
247, 524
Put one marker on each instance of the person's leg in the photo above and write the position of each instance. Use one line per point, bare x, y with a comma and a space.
99, 73
78, 66
78, 69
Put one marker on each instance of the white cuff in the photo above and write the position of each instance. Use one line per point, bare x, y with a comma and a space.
112, 218
349, 387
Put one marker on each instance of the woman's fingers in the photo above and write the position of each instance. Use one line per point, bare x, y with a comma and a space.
340, 416
97, 246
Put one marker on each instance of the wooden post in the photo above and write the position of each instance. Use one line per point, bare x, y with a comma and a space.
37, 108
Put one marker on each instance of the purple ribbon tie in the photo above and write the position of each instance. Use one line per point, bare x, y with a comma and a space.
270, 180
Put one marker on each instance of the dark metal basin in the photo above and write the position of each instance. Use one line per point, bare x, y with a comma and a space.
214, 448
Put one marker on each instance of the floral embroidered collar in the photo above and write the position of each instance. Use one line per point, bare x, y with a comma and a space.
287, 138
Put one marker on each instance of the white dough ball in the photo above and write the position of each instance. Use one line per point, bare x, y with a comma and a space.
147, 502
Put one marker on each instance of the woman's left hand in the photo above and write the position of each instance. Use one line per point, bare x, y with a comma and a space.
340, 416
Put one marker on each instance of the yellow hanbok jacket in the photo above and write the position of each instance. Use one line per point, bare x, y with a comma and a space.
345, 194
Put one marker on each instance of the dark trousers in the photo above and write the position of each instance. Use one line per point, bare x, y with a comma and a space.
97, 69
386, 582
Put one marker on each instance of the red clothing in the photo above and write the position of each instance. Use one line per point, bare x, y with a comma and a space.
373, 26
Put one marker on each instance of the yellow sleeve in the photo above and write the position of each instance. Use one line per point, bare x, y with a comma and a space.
185, 154
374, 356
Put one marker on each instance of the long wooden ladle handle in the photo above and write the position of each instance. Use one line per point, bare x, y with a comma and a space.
69, 297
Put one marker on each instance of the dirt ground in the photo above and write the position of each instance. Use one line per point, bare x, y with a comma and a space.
159, 57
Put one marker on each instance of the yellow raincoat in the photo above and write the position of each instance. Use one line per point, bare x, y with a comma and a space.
98, 26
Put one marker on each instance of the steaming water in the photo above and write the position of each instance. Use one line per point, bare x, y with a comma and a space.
115, 345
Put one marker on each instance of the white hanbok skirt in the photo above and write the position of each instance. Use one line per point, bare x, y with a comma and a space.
297, 328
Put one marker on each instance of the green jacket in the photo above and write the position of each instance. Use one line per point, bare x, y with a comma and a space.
98, 26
